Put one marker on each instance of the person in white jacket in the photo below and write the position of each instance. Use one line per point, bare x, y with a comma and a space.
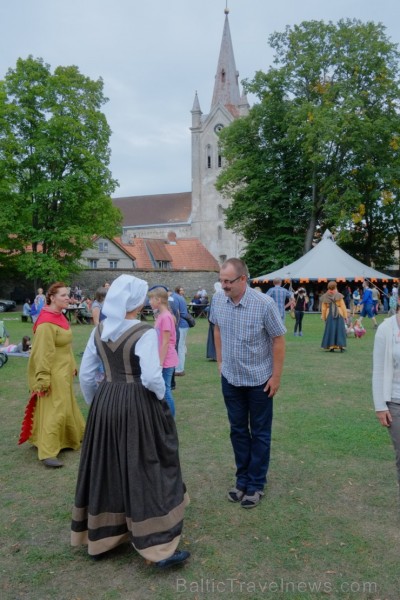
386, 380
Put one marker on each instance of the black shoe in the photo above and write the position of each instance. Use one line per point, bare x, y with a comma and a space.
53, 463
177, 558
253, 500
235, 495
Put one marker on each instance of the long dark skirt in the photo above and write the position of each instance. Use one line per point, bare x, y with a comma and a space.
334, 334
129, 483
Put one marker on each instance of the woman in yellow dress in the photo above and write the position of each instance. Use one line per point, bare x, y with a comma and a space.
58, 422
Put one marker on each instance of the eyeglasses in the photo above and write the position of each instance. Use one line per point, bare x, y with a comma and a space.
229, 281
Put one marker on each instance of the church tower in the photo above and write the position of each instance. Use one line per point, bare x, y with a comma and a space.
227, 105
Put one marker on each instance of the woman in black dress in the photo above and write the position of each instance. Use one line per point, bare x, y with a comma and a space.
129, 486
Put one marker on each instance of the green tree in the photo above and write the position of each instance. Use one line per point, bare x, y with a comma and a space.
55, 184
318, 149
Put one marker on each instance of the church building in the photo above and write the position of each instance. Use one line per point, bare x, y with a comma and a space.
200, 213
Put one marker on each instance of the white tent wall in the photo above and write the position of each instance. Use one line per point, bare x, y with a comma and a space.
325, 262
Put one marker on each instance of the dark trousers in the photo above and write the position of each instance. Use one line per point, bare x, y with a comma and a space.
299, 314
250, 412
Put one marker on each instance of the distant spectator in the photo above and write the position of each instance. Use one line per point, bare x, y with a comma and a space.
23, 347
375, 300
334, 313
300, 306
26, 310
281, 296
77, 293
311, 300
367, 304
84, 315
356, 300
97, 305
202, 293
392, 304
166, 333
210, 350
40, 300
179, 297
359, 329
347, 296
385, 298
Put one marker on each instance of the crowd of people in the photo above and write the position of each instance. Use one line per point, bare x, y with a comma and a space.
129, 485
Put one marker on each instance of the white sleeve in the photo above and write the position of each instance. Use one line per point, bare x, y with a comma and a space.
378, 369
89, 366
147, 351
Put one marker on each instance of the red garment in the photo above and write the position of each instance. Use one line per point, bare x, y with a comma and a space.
27, 423
48, 316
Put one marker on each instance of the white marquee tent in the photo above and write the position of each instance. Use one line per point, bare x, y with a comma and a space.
325, 262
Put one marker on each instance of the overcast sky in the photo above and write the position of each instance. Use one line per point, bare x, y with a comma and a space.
153, 55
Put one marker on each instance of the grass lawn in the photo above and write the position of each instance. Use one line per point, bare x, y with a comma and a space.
328, 526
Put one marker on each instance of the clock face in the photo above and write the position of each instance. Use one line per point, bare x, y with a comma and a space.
218, 127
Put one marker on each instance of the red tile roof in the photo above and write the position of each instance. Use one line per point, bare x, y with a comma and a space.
157, 209
186, 254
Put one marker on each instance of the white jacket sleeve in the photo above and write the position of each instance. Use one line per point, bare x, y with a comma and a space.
147, 351
382, 369
89, 367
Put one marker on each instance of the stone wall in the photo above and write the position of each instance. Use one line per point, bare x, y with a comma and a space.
90, 279
191, 281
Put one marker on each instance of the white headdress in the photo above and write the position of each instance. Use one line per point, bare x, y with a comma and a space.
124, 295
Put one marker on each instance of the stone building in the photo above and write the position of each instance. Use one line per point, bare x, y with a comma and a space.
199, 213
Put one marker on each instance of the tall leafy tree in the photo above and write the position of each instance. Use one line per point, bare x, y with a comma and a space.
55, 183
318, 149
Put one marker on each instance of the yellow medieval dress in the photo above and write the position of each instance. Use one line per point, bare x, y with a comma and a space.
58, 422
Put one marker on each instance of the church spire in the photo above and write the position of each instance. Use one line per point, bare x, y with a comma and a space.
226, 87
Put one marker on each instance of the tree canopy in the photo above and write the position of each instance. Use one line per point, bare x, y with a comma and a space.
320, 148
55, 183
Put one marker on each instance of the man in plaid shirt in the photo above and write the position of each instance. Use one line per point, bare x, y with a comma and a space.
250, 350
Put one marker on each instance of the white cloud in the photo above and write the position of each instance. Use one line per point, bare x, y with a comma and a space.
153, 56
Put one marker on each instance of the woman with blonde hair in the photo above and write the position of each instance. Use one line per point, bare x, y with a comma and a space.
334, 313
166, 331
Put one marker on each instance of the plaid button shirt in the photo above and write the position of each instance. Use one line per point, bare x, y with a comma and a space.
281, 296
247, 330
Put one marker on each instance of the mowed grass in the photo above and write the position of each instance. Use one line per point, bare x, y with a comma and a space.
327, 527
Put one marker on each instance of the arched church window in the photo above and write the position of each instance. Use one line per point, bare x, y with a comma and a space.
220, 211
209, 156
219, 233
223, 75
219, 161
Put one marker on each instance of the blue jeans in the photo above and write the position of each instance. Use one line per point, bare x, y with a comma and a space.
167, 373
250, 412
